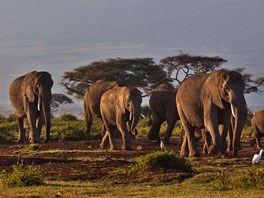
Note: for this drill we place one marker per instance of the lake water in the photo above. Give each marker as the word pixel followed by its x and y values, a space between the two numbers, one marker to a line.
pixel 59 35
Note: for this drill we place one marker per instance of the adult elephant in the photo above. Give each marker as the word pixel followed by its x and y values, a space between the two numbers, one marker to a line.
pixel 92 99
pixel 120 110
pixel 30 96
pixel 205 101
pixel 257 123
pixel 162 104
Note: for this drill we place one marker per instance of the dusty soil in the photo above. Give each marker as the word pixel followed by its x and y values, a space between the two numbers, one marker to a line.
pixel 83 160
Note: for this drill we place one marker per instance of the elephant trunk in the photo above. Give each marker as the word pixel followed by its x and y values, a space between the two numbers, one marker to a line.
pixel 47 117
pixel 135 112
pixel 240 117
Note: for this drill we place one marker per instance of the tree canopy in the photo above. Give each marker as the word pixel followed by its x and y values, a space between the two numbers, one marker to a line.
pixel 185 65
pixel 142 73
pixel 59 99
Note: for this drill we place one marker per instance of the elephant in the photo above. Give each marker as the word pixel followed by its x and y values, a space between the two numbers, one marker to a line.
pixel 206 100
pixel 120 109
pixel 162 104
pixel 92 99
pixel 257 123
pixel 30 96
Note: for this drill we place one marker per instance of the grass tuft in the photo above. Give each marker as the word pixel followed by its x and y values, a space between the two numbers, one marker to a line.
pixel 252 178
pixel 161 162
pixel 23 175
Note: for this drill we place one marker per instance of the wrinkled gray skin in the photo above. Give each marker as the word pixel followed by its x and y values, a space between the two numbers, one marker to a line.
pixel 120 110
pixel 92 99
pixel 257 123
pixel 204 101
pixel 162 104
pixel 231 129
pixel 30 96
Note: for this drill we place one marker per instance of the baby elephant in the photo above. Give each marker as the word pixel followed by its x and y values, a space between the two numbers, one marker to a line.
pixel 257 128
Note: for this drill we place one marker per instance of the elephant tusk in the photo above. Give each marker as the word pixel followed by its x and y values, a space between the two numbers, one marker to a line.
pixel 233 110
pixel 39 104
pixel 130 116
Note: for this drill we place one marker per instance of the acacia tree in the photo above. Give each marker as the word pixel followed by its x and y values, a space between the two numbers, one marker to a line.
pixel 185 65
pixel 59 99
pixel 142 73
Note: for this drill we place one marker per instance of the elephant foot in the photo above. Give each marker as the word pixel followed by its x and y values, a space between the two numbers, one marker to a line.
pixel 213 150
pixel 166 142
pixel 252 142
pixel 128 148
pixel 34 141
pixel 21 140
pixel 46 140
pixel 183 154
pixel 194 154
pixel 205 151
pixel 259 147
pixel 102 146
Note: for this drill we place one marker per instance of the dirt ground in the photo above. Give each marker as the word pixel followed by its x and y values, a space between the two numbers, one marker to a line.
pixel 83 160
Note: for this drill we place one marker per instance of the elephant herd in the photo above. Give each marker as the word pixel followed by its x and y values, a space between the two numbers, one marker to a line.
pixel 212 103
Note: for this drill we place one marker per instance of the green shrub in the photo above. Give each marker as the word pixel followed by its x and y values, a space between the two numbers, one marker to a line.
pixel 7 131
pixel 66 117
pixel 67 130
pixel 11 118
pixel 23 176
pixel 162 161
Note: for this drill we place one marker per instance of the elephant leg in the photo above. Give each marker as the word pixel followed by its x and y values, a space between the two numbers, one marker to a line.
pixel 126 137
pixel 105 141
pixel 214 149
pixel 109 135
pixel 39 123
pixel 230 139
pixel 184 148
pixel 258 136
pixel 223 129
pixel 33 136
pixel 88 129
pixel 189 139
pixel 252 142
pixel 171 124
pixel 21 130
pixel 207 138
pixel 154 130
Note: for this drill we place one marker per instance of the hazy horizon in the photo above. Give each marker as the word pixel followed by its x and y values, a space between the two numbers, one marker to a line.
pixel 60 35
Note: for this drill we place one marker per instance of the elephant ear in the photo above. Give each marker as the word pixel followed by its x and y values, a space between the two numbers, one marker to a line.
pixel 214 86
pixel 28 86
pixel 123 99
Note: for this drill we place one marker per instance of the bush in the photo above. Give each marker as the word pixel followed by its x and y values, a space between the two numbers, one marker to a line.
pixel 66 117
pixel 74 130
pixel 162 161
pixel 23 176
pixel 7 131
pixel 11 118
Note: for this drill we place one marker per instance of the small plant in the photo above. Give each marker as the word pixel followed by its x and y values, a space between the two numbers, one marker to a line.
pixel 31 147
pixel 23 175
pixel 162 161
